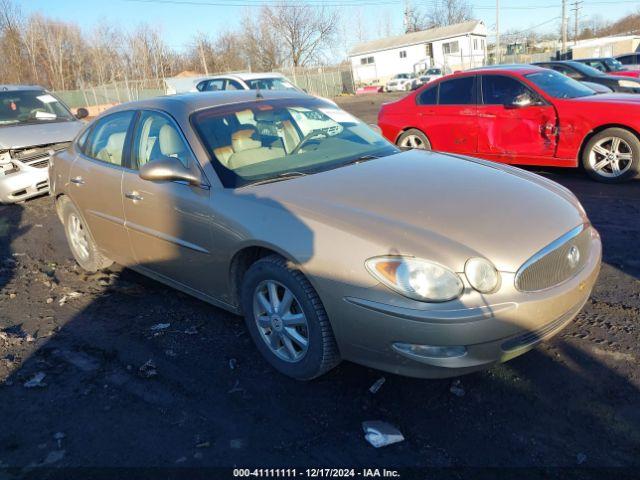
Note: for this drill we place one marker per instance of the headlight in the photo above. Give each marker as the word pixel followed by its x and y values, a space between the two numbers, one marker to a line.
pixel 628 84
pixel 416 278
pixel 482 275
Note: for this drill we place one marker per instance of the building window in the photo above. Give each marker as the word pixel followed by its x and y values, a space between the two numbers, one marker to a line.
pixel 475 44
pixel 366 60
pixel 482 43
pixel 403 54
pixel 427 49
pixel 450 47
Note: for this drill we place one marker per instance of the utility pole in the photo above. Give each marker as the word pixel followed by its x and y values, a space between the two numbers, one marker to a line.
pixel 564 26
pixel 576 9
pixel 498 31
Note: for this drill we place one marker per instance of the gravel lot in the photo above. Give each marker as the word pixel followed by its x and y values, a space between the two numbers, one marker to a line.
pixel 206 398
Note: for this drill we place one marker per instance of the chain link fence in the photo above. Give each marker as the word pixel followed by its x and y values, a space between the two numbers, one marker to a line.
pixel 321 81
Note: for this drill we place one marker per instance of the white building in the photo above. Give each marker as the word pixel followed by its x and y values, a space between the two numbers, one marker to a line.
pixel 457 47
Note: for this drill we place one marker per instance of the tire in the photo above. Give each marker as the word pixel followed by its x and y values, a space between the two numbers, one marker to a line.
pixel 270 337
pixel 84 249
pixel 413 139
pixel 612 156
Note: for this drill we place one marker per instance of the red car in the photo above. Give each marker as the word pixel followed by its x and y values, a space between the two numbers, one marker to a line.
pixel 523 115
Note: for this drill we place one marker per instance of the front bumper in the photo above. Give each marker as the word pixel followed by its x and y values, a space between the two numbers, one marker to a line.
pixel 27 182
pixel 495 329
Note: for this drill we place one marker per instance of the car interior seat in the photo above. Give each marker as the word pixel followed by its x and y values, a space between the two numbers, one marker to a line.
pixel 248 148
pixel 112 151
pixel 171 145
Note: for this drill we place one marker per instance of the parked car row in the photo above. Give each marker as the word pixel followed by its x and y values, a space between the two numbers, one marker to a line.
pixel 242 198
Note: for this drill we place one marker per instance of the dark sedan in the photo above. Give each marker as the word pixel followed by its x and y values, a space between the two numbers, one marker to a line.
pixel 585 73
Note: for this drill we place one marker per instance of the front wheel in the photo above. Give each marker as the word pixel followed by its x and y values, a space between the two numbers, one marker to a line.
pixel 612 156
pixel 413 138
pixel 286 319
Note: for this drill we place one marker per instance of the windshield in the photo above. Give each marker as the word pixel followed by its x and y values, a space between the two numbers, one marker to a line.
pixel 434 71
pixel 270 140
pixel 587 70
pixel 272 83
pixel 31 106
pixel 614 65
pixel 558 85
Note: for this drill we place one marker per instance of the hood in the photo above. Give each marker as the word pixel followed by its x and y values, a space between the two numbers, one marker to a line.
pixel 621 98
pixel 442 207
pixel 34 134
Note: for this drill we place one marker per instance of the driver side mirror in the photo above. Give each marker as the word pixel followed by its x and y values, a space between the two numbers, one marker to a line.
pixel 523 100
pixel 169 169
pixel 82 113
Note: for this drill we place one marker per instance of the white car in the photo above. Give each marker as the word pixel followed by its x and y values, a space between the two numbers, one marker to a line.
pixel 431 75
pixel 402 82
pixel 245 81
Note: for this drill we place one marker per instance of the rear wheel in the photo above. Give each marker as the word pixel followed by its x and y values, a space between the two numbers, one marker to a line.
pixel 286 319
pixel 81 243
pixel 413 138
pixel 612 156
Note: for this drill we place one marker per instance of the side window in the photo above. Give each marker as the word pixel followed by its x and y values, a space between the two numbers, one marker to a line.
pixel 108 136
pixel 233 85
pixel 567 71
pixel 429 96
pixel 458 91
pixel 501 90
pixel 628 60
pixel 156 137
pixel 82 140
pixel 597 65
pixel 215 85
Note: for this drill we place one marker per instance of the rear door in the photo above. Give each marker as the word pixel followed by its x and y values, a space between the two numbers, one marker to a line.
pixel 96 181
pixel 450 123
pixel 509 134
pixel 168 222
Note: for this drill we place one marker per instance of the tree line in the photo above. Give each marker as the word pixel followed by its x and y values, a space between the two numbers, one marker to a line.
pixel 59 55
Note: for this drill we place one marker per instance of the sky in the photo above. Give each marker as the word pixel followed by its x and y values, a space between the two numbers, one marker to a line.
pixel 180 20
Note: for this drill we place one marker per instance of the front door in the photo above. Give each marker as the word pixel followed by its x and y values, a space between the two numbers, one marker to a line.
pixel 510 134
pixel 451 123
pixel 96 181
pixel 168 222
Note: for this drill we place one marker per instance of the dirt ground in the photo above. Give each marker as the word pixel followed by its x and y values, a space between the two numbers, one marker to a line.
pixel 88 377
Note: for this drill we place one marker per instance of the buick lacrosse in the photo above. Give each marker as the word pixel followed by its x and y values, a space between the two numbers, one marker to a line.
pixel 331 242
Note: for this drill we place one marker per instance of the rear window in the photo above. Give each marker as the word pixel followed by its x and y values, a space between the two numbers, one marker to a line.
pixel 429 96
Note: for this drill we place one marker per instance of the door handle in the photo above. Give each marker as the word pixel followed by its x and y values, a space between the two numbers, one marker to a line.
pixel 486 115
pixel 77 180
pixel 135 196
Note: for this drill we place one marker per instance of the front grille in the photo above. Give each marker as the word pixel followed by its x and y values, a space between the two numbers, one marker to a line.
pixel 557 262
pixel 31 154
pixel 43 163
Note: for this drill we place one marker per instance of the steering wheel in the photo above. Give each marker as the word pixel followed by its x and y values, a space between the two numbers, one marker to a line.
pixel 309 136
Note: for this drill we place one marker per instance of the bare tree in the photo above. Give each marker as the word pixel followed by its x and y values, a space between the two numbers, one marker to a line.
pixel 263 49
pixel 414 19
pixel 449 12
pixel 305 30
pixel 12 67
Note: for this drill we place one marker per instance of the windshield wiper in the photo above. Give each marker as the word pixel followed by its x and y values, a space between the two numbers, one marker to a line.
pixel 278 178
pixel 360 159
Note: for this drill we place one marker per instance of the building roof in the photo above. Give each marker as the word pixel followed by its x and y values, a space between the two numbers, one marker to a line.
pixel 414 38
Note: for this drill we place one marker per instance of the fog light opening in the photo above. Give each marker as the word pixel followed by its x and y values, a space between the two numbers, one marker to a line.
pixel 430 351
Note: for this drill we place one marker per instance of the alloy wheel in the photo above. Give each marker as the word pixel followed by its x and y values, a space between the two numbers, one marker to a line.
pixel 412 141
pixel 611 157
pixel 281 321
pixel 78 237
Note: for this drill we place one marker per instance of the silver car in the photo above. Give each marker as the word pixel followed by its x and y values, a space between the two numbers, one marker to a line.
pixel 33 122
